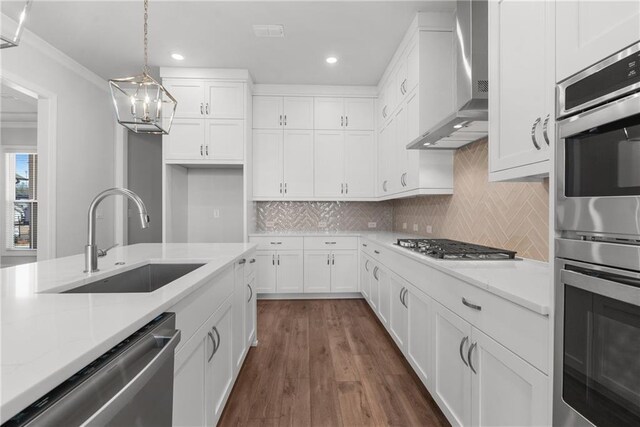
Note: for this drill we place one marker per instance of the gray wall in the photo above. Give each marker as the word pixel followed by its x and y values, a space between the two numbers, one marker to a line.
pixel 144 177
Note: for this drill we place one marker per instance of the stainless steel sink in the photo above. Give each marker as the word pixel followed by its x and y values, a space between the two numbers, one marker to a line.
pixel 147 278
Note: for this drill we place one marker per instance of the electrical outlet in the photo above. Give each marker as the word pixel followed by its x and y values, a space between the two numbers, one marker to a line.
pixel 372 225
pixel 415 227
pixel 404 225
pixel 429 229
pixel 322 224
pixel 216 213
pixel 269 224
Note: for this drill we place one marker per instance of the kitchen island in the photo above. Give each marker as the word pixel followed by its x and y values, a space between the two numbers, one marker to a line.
pixel 47 336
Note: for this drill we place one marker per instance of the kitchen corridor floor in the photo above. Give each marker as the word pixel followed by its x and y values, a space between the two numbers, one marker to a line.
pixel 326 363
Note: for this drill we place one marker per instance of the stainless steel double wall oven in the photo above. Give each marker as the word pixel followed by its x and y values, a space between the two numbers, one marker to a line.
pixel 597 266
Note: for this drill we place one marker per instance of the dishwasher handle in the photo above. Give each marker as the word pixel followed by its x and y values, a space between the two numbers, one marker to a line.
pixel 123 397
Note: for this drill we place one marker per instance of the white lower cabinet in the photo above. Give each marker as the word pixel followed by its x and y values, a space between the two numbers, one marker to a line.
pixel 419 345
pixel 219 368
pixel 250 312
pixel 451 382
pixel 384 296
pixel 239 308
pixel 477 381
pixel 279 271
pixel 365 276
pixel 331 271
pixel 399 314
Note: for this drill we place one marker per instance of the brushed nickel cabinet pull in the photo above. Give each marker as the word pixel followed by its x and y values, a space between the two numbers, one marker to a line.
pixel 469 354
pixel 464 340
pixel 470 305
pixel 533 134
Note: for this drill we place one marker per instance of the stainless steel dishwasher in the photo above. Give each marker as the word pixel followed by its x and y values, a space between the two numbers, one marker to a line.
pixel 129 385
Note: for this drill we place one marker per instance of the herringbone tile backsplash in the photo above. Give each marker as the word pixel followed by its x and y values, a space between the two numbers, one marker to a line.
pixel 505 215
pixel 510 215
pixel 338 216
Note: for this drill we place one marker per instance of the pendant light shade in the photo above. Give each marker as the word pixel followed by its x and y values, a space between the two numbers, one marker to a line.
pixel 12 31
pixel 142 104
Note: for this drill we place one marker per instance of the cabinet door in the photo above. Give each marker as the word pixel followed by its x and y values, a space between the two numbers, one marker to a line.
pixel 365 276
pixel 298 112
pixel 265 272
pixel 267 163
pixel 225 100
pixel 250 312
pixel 413 66
pixel 190 96
pixel 219 370
pixel 398 317
pixel 374 296
pixel 506 390
pixel 298 163
pixel 267 112
pixel 400 145
pixel 518 103
pixel 388 160
pixel 400 78
pixel 239 306
pixel 186 140
pixel 419 343
pixel 225 139
pixel 590 31
pixel 189 404
pixel 329 164
pixel 317 271
pixel 359 113
pixel 344 271
pixel 412 112
pixel 359 164
pixel 451 381
pixel 290 276
pixel 328 113
pixel 390 95
pixel 384 297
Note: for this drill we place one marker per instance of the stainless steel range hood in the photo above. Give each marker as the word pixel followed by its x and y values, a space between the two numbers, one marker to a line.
pixel 469 121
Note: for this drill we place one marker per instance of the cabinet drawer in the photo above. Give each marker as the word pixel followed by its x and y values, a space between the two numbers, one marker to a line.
pixel 521 330
pixel 196 308
pixel 270 243
pixel 373 250
pixel 330 243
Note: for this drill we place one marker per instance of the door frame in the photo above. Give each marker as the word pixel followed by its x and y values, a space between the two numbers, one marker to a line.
pixel 47 127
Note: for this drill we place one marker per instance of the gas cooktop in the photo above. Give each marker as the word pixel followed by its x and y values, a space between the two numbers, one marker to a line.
pixel 455 250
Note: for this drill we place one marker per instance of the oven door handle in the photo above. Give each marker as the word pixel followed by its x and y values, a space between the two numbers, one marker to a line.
pixel 608 288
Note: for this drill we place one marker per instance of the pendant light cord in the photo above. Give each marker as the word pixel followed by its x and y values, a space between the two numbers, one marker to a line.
pixel 146 54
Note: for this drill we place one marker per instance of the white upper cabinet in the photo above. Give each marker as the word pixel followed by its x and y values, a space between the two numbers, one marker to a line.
pixel 186 140
pixel 298 112
pixel 359 164
pixel 224 100
pixel 329 164
pixel 277 112
pixel 359 114
pixel 267 112
pixel 521 105
pixel 344 113
pixel 190 96
pixel 589 31
pixel 225 139
pixel 267 166
pixel 298 163
pixel 329 113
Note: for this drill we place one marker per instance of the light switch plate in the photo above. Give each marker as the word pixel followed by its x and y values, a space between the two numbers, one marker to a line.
pixel 429 229
pixel 415 227
pixel 372 225
pixel 216 213
pixel 404 225
pixel 269 224
pixel 322 224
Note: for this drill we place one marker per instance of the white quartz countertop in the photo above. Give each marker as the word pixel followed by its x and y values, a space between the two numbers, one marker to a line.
pixel 47 336
pixel 525 282
pixel 307 233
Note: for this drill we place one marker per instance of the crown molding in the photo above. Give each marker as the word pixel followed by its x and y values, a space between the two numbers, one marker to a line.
pixel 31 39
pixel 315 90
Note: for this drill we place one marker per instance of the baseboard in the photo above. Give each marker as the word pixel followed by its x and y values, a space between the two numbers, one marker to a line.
pixel 320 295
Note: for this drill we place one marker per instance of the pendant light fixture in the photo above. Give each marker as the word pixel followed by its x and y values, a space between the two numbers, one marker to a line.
pixel 142 104
pixel 12 31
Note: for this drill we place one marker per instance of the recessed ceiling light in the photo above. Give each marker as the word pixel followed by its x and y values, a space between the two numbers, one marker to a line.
pixel 332 60
pixel 177 56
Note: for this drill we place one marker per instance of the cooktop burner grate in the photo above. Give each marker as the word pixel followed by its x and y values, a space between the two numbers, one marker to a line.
pixel 453 249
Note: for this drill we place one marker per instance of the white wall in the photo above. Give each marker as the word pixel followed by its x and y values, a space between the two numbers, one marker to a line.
pixel 85 137
pixel 144 177
pixel 10 136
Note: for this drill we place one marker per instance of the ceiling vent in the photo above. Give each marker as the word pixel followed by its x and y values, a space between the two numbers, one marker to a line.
pixel 268 30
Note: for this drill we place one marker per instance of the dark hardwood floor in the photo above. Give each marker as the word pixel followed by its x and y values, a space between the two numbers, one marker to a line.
pixel 326 363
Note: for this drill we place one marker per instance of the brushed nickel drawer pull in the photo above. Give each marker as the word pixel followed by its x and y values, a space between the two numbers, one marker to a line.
pixel 470 305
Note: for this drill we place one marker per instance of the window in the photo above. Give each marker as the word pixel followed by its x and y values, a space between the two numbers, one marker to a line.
pixel 22 201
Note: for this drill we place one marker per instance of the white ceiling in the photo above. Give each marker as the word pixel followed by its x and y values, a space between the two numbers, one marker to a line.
pixel 106 37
